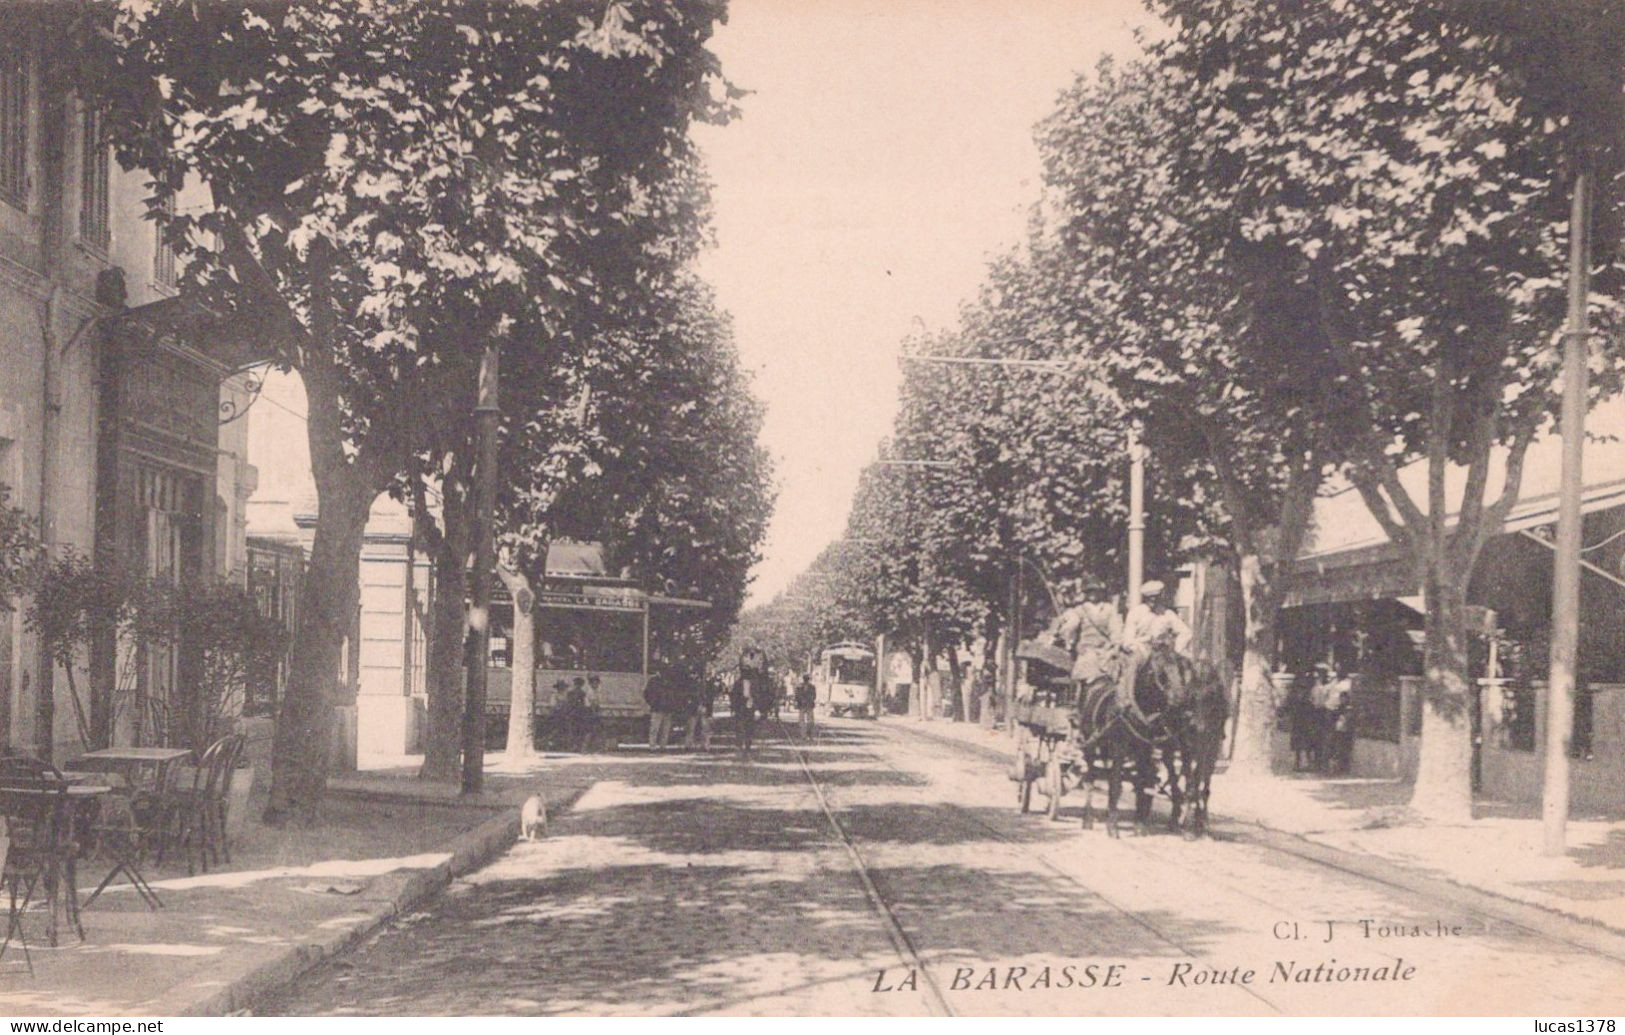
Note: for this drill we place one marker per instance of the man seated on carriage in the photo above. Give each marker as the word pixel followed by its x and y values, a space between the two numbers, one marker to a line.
pixel 1090 632
pixel 1150 634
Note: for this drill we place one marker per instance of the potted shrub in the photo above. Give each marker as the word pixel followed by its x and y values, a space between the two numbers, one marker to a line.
pixel 73 600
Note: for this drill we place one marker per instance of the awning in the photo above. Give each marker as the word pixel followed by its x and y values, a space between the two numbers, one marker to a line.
pixel 1370 572
pixel 703 605
pixel 1542 510
pixel 607 598
pixel 624 601
pixel 230 343
pixel 1386 579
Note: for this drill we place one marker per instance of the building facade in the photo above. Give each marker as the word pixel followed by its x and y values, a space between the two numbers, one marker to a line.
pixel 113 429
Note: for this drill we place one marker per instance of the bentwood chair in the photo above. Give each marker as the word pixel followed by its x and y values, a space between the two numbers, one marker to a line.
pixel 41 847
pixel 196 815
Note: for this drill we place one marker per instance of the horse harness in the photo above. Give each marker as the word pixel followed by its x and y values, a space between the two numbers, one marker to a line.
pixel 1150 730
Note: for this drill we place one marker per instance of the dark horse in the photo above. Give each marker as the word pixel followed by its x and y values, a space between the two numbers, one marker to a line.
pixel 1200 721
pixel 1178 712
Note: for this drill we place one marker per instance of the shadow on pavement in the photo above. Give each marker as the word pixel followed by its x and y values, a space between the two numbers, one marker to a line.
pixel 697 903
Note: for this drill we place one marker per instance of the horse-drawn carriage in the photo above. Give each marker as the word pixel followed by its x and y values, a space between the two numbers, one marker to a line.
pixel 1070 733
pixel 1044 713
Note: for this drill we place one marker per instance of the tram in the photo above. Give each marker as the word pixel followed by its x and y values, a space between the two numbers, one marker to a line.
pixel 846 680
pixel 589 624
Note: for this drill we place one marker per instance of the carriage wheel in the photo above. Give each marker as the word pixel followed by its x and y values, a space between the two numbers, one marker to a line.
pixel 1018 761
pixel 1024 774
pixel 1057 786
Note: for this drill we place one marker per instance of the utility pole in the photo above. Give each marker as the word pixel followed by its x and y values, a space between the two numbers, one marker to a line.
pixel 1012 642
pixel 1136 505
pixel 880 675
pixel 1554 802
pixel 487 413
pixel 1136 517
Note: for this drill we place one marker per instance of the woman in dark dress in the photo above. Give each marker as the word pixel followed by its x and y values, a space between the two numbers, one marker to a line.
pixel 1301 716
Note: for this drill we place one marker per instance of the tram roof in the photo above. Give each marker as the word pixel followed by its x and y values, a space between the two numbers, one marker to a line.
pixel 847 646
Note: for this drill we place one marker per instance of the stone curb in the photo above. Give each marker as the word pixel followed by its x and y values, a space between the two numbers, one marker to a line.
pixel 1548 921
pixel 470 851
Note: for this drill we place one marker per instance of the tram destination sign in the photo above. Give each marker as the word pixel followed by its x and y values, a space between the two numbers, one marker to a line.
pixel 594 602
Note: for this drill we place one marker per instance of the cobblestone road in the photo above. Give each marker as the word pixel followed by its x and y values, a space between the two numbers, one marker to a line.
pixel 688 885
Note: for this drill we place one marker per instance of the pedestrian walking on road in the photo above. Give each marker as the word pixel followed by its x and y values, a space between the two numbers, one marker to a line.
pixel 1300 721
pixel 744 700
pixel 806 700
pixel 658 694
pixel 704 696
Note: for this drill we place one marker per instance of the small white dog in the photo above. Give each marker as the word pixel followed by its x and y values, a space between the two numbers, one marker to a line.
pixel 533 818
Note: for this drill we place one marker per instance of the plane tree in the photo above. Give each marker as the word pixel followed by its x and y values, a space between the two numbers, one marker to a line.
pixel 1230 389
pixel 370 168
pixel 1397 179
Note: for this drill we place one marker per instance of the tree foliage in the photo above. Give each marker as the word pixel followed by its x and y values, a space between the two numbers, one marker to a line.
pixel 20 550
pixel 393 186
pixel 1397 179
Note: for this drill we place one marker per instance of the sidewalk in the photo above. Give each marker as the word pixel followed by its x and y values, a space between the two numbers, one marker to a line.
pixel 383 845
pixel 1499 853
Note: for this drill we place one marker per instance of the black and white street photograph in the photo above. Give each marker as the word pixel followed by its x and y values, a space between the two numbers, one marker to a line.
pixel 812 508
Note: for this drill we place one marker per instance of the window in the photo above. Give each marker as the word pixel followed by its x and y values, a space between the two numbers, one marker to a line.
pixel 161 497
pixel 14 131
pixel 93 180
pixel 163 257
pixel 852 670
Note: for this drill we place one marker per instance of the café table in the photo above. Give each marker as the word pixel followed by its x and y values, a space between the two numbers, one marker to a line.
pixel 148 773
pixel 83 798
pixel 59 865
pixel 133 763
pixel 122 842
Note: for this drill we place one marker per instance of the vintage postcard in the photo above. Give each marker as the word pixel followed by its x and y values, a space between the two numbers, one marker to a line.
pixel 872 508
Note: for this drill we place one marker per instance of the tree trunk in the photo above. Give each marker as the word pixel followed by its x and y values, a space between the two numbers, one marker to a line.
pixel 521 703
pixel 327 603
pixel 917 656
pixel 45 709
pixel 992 665
pixel 956 681
pixel 1255 705
pixel 443 662
pixel 1443 789
pixel 1004 697
pixel 929 677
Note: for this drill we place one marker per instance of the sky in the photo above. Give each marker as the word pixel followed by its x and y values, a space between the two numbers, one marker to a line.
pixel 884 155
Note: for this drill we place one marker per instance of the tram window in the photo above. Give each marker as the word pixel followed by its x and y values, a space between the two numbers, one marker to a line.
pixel 852 670
pixel 594 640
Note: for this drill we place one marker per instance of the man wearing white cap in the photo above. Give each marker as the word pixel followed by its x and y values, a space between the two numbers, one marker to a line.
pixel 1152 622
pixel 1150 625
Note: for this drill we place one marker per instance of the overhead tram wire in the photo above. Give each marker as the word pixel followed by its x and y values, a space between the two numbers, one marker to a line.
pixel 1136 452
